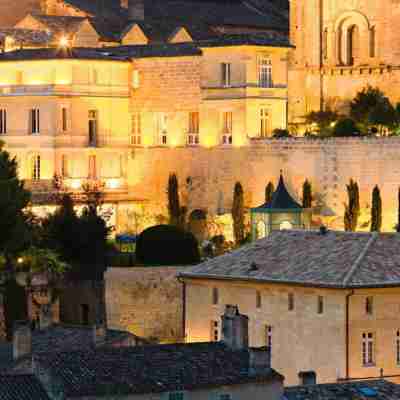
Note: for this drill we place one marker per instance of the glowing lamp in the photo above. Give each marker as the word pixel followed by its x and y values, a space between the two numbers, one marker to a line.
pixel 64 42
pixel 75 184
pixel 20 260
pixel 113 183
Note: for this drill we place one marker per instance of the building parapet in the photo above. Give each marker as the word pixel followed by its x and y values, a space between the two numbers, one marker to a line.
pixel 65 90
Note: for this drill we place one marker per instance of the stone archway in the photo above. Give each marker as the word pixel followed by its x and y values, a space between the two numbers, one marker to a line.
pixel 352 39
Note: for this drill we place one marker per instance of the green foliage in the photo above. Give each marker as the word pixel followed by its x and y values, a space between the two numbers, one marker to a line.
pixel 167 245
pixel 42 261
pixel 238 213
pixel 376 210
pixel 81 241
pixel 177 214
pixel 346 127
pixel 324 120
pixel 15 305
pixel 269 192
pixel 352 208
pixel 372 108
pixel 281 133
pixel 13 200
pixel 307 194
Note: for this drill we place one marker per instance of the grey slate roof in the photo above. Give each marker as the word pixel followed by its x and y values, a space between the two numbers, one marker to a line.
pixel 281 200
pixel 151 369
pixel 21 387
pixel 310 258
pixel 27 36
pixel 383 390
pixel 57 338
pixel 198 17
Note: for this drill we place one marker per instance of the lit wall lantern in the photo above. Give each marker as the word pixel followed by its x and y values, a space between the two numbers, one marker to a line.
pixel 281 213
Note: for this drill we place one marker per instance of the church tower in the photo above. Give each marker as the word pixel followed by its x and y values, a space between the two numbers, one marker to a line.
pixel 341 47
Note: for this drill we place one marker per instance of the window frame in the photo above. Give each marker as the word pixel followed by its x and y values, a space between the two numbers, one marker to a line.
pixel 227 127
pixel 34 121
pixel 320 305
pixel 215 296
pixel 368 349
pixel 64 119
pixel 136 129
pixel 265 70
pixel 291 304
pixel 93 127
pixel 369 305
pixel 265 122
pixel 35 173
pixel 162 128
pixel 214 331
pixel 226 74
pixel 193 137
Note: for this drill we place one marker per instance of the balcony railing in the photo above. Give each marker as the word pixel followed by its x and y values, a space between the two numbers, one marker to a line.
pixel 64 90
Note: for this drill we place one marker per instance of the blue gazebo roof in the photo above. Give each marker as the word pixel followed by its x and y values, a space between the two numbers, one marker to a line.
pixel 281 201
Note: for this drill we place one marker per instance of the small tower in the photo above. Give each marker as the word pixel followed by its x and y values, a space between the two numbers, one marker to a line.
pixel 282 212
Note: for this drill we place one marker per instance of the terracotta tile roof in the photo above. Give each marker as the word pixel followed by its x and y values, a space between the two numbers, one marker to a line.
pixel 149 369
pixel 21 387
pixel 361 390
pixel 310 258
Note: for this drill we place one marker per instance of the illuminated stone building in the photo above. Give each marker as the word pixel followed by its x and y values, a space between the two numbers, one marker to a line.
pixel 82 94
pixel 326 303
pixel 341 46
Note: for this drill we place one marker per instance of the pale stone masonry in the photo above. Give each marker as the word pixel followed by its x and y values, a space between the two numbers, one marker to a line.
pixel 325 303
pixel 146 301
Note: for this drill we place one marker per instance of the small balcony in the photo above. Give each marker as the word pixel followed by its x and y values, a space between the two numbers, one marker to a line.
pixel 244 91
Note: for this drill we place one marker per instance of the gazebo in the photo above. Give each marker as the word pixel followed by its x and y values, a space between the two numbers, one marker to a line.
pixel 282 212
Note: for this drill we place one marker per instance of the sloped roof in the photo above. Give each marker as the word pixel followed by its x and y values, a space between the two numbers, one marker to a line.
pixel 57 338
pixel 21 387
pixel 361 390
pixel 310 258
pixel 281 200
pixel 152 369
pixel 60 24
pixel 27 36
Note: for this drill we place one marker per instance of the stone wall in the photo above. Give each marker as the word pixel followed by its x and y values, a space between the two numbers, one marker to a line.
pixel 146 301
pixel 329 164
pixel 82 303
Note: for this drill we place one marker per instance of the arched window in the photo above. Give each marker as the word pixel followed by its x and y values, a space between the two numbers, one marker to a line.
pixel 353 47
pixel 35 167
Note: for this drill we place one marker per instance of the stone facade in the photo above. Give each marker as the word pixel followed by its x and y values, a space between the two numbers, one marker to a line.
pixel 328 164
pixel 341 46
pixel 146 301
pixel 295 335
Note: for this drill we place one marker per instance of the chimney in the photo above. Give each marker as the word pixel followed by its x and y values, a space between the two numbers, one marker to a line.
pixel 136 10
pixel 99 334
pixel 259 359
pixel 235 328
pixel 45 316
pixel 22 339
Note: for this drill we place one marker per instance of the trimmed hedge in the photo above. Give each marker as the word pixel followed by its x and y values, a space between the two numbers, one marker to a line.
pixel 167 245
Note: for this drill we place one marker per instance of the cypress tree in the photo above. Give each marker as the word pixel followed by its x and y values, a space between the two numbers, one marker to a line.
pixel 352 209
pixel 376 210
pixel 174 208
pixel 307 194
pixel 269 191
pixel 238 213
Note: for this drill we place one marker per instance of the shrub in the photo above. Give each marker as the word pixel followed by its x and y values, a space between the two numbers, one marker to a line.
pixel 281 133
pixel 167 245
pixel 346 128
